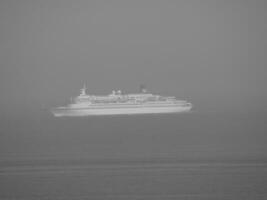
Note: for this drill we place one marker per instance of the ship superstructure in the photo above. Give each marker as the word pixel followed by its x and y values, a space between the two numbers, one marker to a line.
pixel 119 103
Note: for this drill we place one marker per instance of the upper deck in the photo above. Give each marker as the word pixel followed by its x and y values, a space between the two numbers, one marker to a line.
pixel 117 97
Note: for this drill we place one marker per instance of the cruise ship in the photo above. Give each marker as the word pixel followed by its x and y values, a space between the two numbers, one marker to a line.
pixel 118 103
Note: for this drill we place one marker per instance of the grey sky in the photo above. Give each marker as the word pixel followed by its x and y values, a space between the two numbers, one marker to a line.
pixel 211 52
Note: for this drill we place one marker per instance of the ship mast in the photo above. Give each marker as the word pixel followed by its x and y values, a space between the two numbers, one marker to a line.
pixel 83 90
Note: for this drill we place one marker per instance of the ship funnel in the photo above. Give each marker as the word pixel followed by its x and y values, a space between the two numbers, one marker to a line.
pixel 143 88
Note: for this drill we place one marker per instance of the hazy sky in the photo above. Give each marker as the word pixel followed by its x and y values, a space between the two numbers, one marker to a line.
pixel 211 52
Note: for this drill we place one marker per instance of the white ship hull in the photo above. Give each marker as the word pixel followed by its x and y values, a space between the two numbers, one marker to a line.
pixel 66 111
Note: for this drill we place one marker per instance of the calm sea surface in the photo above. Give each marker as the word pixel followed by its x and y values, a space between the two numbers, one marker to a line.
pixel 177 156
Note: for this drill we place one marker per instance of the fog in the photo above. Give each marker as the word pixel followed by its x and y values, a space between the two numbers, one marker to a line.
pixel 209 52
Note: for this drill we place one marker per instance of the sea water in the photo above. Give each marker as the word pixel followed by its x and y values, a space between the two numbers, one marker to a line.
pixel 173 156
